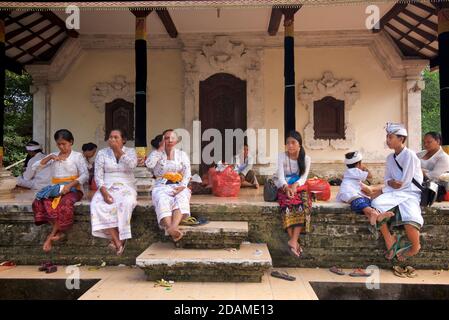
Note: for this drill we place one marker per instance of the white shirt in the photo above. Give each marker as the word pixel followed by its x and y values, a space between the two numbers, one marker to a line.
pixel 411 166
pixel 436 165
pixel 286 166
pixel 158 162
pixel 109 171
pixel 74 165
pixel 244 165
pixel 38 179
pixel 350 186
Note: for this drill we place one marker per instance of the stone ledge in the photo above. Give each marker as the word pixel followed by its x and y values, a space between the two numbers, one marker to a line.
pixel 339 237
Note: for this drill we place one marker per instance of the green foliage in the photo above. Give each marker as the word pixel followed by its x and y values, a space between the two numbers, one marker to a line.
pixel 18 118
pixel 430 110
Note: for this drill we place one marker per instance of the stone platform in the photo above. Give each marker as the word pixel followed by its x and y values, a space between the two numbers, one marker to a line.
pixel 339 236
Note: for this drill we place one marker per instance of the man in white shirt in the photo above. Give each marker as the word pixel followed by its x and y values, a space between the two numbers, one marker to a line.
pixel 30 179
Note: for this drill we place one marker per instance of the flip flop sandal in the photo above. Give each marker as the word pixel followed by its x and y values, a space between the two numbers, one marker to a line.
pixel 336 270
pixel 51 269
pixel 411 272
pixel 402 250
pixel 190 221
pixel 399 272
pixel 394 248
pixel 162 283
pixel 282 275
pixel 7 264
pixel 44 266
pixel 359 273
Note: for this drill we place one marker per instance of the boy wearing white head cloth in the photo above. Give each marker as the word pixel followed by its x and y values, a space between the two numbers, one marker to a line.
pixel 351 191
pixel 400 195
pixel 31 179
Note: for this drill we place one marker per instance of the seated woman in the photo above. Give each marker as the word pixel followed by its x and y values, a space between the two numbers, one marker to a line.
pixel 55 204
pixel 113 203
pixel 89 149
pixel 400 195
pixel 244 164
pixel 292 170
pixel 434 161
pixel 31 179
pixel 170 195
pixel 158 147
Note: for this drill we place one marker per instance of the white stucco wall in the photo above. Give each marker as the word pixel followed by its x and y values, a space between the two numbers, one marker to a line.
pixel 380 100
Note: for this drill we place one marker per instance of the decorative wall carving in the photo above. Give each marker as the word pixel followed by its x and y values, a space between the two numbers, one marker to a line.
pixel 105 92
pixel 313 90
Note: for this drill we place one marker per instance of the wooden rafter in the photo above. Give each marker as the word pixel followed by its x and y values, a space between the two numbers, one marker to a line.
pixel 30 37
pixel 36 47
pixel 421 20
pixel 430 10
pixel 392 13
pixel 18 31
pixel 167 21
pixel 60 23
pixel 275 21
pixel 428 36
pixel 16 19
pixel 416 42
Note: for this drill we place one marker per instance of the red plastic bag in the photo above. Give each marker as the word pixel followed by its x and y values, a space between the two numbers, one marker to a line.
pixel 446 196
pixel 226 183
pixel 320 187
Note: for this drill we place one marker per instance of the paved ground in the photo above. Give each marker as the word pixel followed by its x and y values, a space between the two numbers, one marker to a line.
pixel 129 283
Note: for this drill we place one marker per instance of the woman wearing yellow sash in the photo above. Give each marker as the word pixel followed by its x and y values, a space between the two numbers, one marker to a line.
pixel 55 204
pixel 170 195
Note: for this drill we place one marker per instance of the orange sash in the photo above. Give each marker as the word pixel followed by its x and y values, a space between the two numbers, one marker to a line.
pixel 55 202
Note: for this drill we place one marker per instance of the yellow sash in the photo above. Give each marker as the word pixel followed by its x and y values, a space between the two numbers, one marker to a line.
pixel 55 202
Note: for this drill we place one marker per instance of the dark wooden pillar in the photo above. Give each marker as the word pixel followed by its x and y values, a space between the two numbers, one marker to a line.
pixel 443 48
pixel 289 71
pixel 141 82
pixel 3 15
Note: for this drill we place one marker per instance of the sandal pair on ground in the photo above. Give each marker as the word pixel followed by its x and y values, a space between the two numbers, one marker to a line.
pixel 48 267
pixel 359 272
pixel 407 272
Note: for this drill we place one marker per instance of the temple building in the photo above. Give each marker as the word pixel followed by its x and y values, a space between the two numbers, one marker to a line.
pixel 323 70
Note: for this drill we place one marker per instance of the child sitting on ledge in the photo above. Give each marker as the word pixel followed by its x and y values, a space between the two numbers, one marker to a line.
pixel 350 189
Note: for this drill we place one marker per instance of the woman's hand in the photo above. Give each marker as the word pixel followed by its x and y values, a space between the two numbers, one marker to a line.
pixel 177 190
pixel 106 196
pixel 65 189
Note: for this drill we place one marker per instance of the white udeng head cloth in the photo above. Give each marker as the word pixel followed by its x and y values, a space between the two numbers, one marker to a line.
pixel 396 128
pixel 33 147
pixel 356 158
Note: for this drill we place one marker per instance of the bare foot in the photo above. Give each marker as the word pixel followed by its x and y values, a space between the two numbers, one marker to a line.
pixel 295 247
pixel 175 234
pixel 373 218
pixel 47 245
pixel 390 252
pixel 256 186
pixel 58 236
pixel 384 215
pixel 407 253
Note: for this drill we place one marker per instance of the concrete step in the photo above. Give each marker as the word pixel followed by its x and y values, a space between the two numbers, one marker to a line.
pixel 214 235
pixel 165 261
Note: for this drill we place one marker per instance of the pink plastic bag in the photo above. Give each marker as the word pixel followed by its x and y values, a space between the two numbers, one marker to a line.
pixel 226 183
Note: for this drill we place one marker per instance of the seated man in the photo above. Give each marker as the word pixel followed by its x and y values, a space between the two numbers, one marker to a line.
pixel 30 179
pixel 244 164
